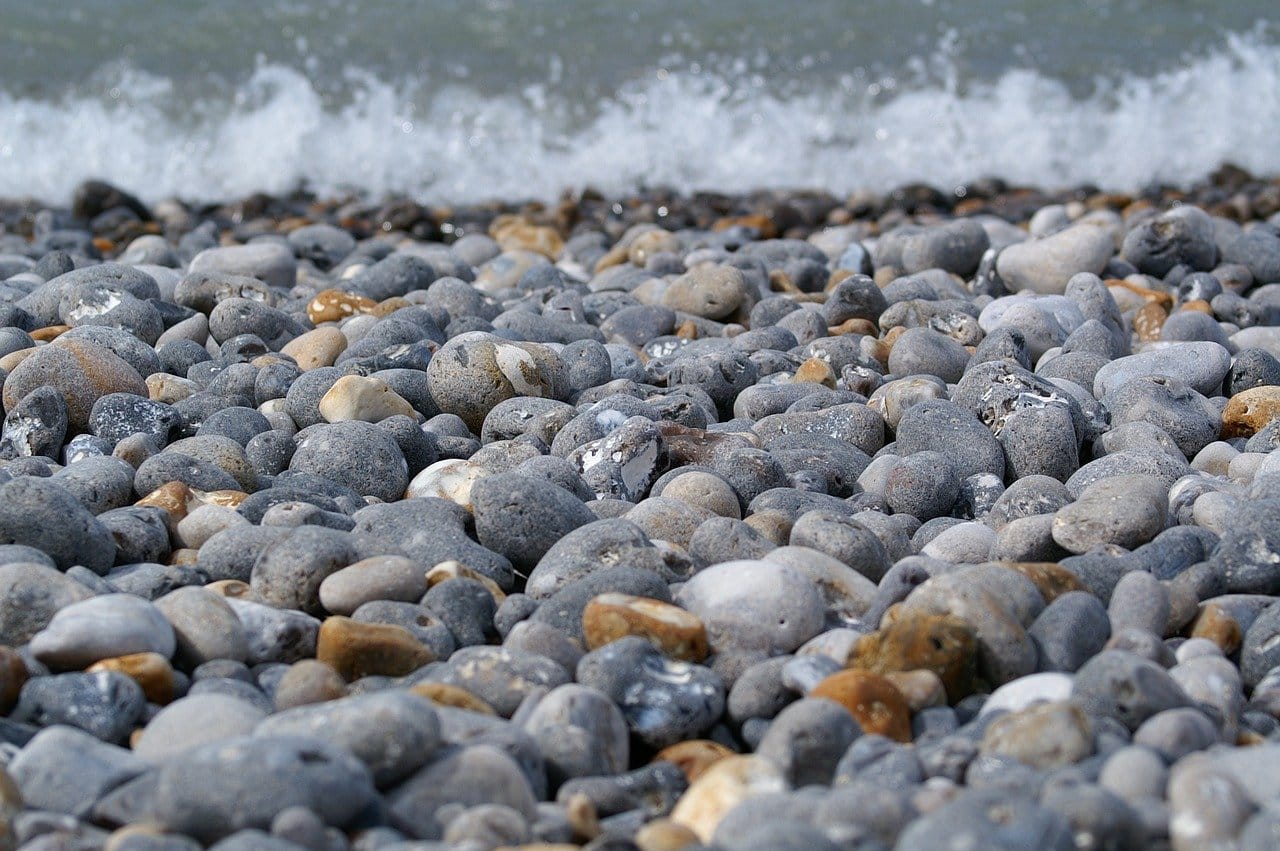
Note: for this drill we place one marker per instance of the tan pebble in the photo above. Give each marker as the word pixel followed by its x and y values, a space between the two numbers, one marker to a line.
pixel 149 670
pixel 231 588
pixel 815 371
pixel 451 569
pixel 388 306
pixel 687 330
pixel 449 479
pixel 1199 305
pixel 336 305
pixel 774 525
pixel 704 490
pixel 10 361
pixel 13 675
pixel 1148 321
pixel 317 348
pixel 457 697
pixel 722 787
pixel 1147 294
pixel 615 256
pixel 922 689
pixel 1249 411
pixel 665 835
pixel 652 242
pixel 872 700
pixel 856 325
pixel 174 498
pixel 582 817
pixel 1046 735
pixel 370 400
pixel 513 233
pixel 49 332
pixel 306 682
pixel 693 756
pixel 163 387
pixel 913 641
pixel 224 498
pixel 679 634
pixel 356 650
pixel 1215 624
pixel 184 556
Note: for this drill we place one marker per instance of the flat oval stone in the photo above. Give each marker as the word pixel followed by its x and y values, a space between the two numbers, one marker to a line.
pixel 1047 735
pixel 204 626
pixel 100 628
pixel 1201 365
pixel 202 794
pixel 193 721
pixel 580 732
pixel 376 578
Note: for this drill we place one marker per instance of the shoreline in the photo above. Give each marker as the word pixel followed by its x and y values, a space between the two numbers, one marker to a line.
pixel 1229 191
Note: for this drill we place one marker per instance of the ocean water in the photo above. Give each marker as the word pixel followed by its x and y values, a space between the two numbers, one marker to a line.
pixel 468 100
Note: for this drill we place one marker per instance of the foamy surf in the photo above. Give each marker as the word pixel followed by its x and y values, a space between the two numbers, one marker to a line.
pixel 680 129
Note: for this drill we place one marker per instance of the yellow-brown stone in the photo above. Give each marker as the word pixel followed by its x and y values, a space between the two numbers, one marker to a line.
pixel 1214 623
pixel 1250 410
pixel 1052 580
pixel 722 787
pixel 911 641
pixel 149 670
pixel 13 675
pixel 679 634
pixel 1199 305
pixel 665 835
pixel 815 371
pixel 759 222
pixel 652 242
pixel 162 387
pixel 174 498
pixel 452 569
pixel 10 361
pixel 856 325
pixel 49 332
pixel 317 348
pixel 693 756
pixel 444 694
pixel 336 305
pixel 1149 320
pixel 356 650
pixel 873 701
pixel 513 233
pixel 184 556
pixel 388 306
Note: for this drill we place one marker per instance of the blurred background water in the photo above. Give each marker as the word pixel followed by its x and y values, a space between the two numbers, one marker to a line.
pixel 455 101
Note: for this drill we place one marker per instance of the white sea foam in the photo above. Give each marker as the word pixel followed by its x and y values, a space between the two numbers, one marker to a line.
pixel 687 131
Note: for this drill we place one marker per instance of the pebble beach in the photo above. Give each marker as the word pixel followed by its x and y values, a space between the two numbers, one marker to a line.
pixel 785 521
pixel 481 426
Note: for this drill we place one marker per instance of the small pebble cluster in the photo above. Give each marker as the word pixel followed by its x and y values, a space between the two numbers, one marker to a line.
pixel 778 522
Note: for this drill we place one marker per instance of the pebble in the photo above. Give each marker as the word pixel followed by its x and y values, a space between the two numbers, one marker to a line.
pixel 722 497
pixel 102 628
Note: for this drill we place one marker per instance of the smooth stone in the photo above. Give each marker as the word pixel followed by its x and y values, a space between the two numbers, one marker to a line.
pixel 580 732
pixel 466 776
pixel 676 632
pixel 101 628
pixel 65 770
pixel 1124 686
pixel 1122 510
pixel 754 604
pixel 193 721
pixel 106 704
pixel 355 649
pixel 377 578
pixel 393 733
pixel 355 397
pixel 723 786
pixel 1047 735
pixel 270 262
pixel 202 795
pixel 1045 265
pixel 40 513
pixel 275 635
pixel 1201 365
pixel 30 595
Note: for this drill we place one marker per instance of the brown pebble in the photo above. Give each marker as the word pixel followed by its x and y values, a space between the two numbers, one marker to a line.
pixel 1199 305
pixel 336 305
pixel 757 221
pixel 665 835
pixel 722 787
pixel 1249 411
pixel 1148 320
pixel 10 361
pixel 49 332
pixel 514 233
pixel 306 682
pixel 13 675
pixel 693 756
pixel 856 325
pixel 444 694
pixel 872 700
pixel 911 641
pixel 1215 624
pixel 173 498
pixel 317 348
pixel 149 670
pixel 388 306
pixel 679 634
pixel 356 650
pixel 815 371
pixel 184 556
pixel 1052 580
